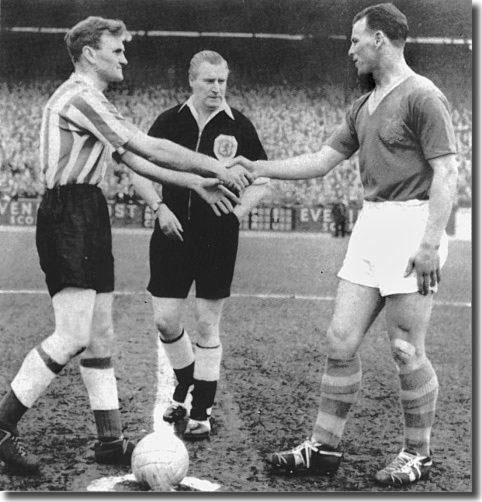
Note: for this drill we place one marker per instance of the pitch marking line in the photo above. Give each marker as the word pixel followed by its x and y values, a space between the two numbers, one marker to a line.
pixel 265 296
pixel 264 234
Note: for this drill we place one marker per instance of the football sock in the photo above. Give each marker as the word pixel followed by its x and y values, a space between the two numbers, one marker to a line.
pixel 206 375
pixel 418 394
pixel 35 375
pixel 11 411
pixel 99 380
pixel 340 384
pixel 181 357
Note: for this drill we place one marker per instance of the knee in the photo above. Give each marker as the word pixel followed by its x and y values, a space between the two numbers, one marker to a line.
pixel 74 326
pixel 341 342
pixel 208 331
pixel 168 325
pixel 404 353
pixel 62 347
pixel 101 342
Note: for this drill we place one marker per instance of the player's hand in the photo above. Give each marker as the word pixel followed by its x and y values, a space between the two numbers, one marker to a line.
pixel 169 224
pixel 241 174
pixel 251 166
pixel 236 177
pixel 218 196
pixel 426 264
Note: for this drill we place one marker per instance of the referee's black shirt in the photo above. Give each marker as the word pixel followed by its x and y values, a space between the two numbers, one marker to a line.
pixel 178 125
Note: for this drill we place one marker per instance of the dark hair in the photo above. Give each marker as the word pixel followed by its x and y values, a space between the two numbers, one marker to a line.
pixel 387 18
pixel 89 31
pixel 210 57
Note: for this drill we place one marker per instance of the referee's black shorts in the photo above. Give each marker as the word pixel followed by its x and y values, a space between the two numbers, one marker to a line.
pixel 74 239
pixel 206 256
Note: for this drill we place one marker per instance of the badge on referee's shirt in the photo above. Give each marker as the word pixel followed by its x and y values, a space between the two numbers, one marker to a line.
pixel 225 147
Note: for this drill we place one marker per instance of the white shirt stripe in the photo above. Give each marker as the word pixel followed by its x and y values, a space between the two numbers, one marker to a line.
pixel 76 113
pixel 93 156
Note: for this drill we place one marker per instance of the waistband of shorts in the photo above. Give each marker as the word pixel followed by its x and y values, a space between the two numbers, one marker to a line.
pixel 73 187
pixel 386 204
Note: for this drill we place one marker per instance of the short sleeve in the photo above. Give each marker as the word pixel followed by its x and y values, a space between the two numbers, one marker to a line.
pixel 433 125
pixel 255 150
pixel 159 127
pixel 345 138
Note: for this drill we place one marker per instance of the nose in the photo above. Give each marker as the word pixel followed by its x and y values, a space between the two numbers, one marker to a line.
pixel 350 50
pixel 216 87
pixel 123 59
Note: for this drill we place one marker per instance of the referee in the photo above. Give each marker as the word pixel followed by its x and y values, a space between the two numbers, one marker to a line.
pixel 191 244
pixel 80 128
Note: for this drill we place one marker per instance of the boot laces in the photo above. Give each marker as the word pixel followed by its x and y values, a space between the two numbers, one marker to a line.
pixel 302 453
pixel 403 463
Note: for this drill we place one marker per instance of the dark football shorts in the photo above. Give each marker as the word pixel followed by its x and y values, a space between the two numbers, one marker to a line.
pixel 74 240
pixel 206 256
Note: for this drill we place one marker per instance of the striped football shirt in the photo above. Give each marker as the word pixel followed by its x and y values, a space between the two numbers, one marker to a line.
pixel 80 128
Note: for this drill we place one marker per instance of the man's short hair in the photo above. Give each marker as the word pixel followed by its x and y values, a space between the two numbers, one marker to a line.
pixel 387 18
pixel 210 57
pixel 89 31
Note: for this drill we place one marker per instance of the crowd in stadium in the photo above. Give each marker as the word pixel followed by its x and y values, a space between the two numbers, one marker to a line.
pixel 290 118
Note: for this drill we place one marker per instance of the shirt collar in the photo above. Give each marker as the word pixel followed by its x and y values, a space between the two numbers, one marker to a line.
pixel 223 108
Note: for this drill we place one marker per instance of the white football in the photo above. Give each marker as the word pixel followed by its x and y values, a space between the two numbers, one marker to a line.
pixel 161 460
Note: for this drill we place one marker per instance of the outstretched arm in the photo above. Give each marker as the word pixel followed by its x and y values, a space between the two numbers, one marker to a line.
pixel 425 261
pixel 209 189
pixel 173 156
pixel 308 165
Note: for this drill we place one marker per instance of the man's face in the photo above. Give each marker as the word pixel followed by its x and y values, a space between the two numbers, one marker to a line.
pixel 109 58
pixel 363 48
pixel 209 86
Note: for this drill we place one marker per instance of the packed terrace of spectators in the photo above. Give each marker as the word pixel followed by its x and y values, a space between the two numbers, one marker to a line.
pixel 294 113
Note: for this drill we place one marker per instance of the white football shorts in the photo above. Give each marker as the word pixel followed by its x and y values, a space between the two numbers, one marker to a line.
pixel 385 235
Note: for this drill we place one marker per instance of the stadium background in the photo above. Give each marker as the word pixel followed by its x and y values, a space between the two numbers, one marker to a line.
pixel 292 77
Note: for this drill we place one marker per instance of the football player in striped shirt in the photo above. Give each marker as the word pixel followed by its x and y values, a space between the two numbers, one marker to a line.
pixel 80 130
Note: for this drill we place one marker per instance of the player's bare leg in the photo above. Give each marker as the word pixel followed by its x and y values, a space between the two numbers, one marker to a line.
pixel 73 309
pixel 178 349
pixel 356 307
pixel 97 371
pixel 206 367
pixel 408 317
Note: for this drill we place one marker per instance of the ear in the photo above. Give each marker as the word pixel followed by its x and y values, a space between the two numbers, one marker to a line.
pixel 379 38
pixel 88 53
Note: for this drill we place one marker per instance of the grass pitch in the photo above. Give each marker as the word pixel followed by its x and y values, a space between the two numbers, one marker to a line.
pixel 273 353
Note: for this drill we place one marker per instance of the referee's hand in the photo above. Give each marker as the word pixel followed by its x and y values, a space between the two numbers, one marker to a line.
pixel 216 195
pixel 169 224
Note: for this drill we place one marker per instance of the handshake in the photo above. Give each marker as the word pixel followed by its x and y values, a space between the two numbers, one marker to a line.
pixel 221 192
pixel 231 178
